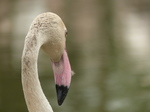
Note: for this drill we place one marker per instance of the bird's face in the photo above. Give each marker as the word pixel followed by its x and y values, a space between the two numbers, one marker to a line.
pixel 54 37
pixel 55 46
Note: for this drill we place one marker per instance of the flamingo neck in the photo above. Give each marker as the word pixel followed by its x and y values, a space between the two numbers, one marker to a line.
pixel 35 99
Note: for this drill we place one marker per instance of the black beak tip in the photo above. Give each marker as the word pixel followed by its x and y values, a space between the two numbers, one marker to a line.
pixel 61 93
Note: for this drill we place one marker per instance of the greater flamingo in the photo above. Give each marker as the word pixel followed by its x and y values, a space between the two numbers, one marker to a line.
pixel 48 32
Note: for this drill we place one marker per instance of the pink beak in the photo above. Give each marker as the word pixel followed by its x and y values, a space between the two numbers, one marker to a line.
pixel 62 75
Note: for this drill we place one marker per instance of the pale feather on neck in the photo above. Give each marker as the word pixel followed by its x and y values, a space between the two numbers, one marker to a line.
pixel 35 98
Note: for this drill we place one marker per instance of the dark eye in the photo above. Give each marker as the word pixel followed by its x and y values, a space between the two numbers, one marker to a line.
pixel 66 33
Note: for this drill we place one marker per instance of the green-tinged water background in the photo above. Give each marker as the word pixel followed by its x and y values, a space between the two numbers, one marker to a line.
pixel 108 46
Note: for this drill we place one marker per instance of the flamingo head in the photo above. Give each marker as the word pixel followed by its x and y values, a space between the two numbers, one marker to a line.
pixel 54 44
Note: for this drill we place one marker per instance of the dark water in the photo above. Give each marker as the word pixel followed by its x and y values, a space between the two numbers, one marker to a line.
pixel 94 87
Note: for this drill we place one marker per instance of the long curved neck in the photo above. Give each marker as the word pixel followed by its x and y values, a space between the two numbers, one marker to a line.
pixel 34 96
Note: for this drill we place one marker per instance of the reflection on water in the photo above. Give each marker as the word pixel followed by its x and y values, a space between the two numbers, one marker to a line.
pixel 110 75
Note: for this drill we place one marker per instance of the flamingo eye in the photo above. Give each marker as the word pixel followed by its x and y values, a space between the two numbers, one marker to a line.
pixel 66 33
